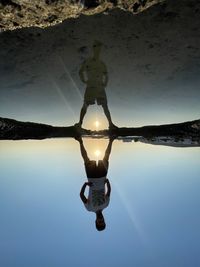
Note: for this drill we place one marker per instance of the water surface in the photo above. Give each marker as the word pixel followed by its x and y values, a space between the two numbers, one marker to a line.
pixel 152 219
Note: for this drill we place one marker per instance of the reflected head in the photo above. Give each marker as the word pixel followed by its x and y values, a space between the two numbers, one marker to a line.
pixel 100 223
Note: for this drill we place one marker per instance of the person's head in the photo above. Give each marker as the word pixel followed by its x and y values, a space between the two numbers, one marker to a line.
pixel 97 47
pixel 100 223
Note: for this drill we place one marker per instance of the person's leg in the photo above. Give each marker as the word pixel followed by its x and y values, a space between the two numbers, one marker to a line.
pixel 83 151
pixel 108 150
pixel 108 116
pixel 82 113
pixel 107 113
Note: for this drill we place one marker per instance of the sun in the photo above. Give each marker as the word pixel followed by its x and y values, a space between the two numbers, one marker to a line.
pixel 97 153
pixel 97 123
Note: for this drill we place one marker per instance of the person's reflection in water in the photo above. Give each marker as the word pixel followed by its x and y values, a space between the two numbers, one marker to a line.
pixel 93 73
pixel 98 197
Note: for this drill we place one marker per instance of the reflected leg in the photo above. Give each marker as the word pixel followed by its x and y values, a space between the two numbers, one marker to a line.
pixel 108 150
pixel 83 151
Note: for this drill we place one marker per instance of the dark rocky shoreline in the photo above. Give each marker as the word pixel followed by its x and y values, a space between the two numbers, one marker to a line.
pixel 17 130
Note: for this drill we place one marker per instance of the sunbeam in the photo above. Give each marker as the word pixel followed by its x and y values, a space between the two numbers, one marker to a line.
pixel 62 96
pixel 73 82
pixel 129 210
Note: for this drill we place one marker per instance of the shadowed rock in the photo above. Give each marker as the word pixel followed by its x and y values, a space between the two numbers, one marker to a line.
pixel 15 130
pixel 43 13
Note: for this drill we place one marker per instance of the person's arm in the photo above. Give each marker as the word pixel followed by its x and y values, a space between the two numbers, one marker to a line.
pixel 82 195
pixel 81 72
pixel 105 75
pixel 108 188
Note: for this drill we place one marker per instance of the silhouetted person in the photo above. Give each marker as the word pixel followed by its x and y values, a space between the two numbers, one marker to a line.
pixel 93 73
pixel 98 197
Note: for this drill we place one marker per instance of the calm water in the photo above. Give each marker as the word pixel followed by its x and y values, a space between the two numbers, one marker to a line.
pixel 152 220
pixel 153 216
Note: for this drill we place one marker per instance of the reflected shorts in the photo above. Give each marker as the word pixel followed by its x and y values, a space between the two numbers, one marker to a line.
pixel 96 171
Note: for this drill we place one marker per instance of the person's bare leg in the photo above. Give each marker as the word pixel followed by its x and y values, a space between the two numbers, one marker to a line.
pixel 108 149
pixel 82 114
pixel 83 151
pixel 108 116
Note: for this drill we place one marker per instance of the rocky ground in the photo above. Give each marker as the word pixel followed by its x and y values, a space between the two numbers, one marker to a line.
pixel 43 13
pixel 152 60
pixel 16 130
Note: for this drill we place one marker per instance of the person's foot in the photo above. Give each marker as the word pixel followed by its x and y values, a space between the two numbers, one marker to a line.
pixel 113 127
pixel 112 137
pixel 78 138
pixel 77 125
pixel 78 131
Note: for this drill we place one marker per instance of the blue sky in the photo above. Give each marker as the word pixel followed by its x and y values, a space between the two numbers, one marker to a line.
pixel 152 219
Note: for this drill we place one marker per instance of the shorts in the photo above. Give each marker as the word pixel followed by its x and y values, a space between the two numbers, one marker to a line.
pixel 93 94
pixel 96 171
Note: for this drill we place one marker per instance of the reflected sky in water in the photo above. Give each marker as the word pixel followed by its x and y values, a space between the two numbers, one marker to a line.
pixel 152 219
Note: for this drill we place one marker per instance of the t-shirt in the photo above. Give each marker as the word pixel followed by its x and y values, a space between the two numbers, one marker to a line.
pixel 97 200
pixel 96 70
